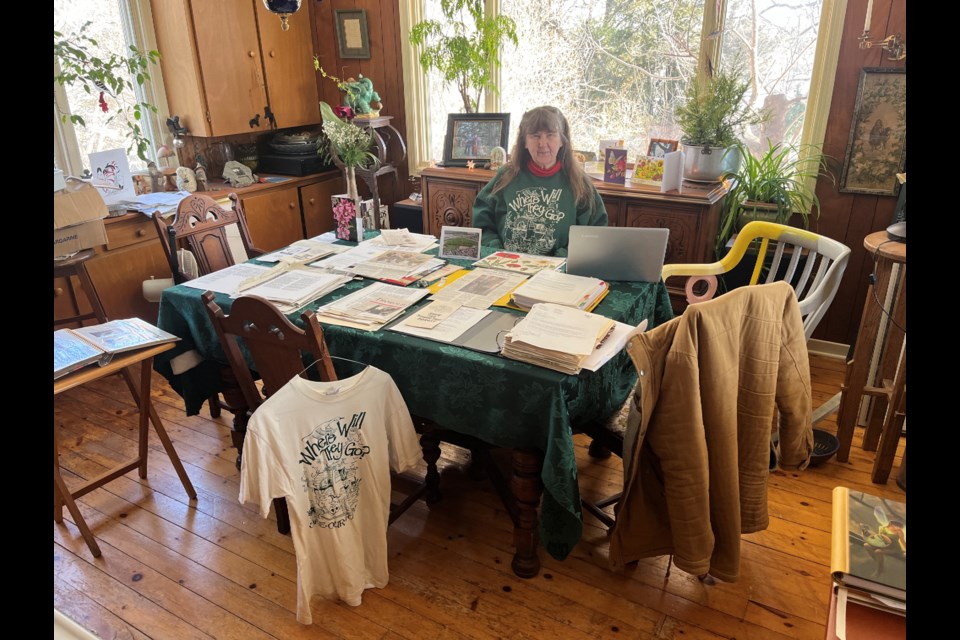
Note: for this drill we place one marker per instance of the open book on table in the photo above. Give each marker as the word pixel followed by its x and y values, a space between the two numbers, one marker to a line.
pixel 76 348
pixel 869 544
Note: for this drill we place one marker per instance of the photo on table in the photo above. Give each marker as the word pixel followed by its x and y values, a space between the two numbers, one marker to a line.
pixel 462 243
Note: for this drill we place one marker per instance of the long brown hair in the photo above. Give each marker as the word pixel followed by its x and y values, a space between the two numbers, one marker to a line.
pixel 548 119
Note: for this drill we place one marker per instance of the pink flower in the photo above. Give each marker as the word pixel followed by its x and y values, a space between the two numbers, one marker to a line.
pixel 343 111
pixel 103 103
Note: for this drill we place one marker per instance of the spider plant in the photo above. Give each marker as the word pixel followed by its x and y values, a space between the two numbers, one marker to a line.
pixel 772 185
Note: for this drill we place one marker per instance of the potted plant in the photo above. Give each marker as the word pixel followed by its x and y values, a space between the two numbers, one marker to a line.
pixel 464 50
pixel 772 186
pixel 711 119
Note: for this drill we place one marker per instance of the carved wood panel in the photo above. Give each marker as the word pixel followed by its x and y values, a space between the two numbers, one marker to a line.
pixel 683 224
pixel 450 204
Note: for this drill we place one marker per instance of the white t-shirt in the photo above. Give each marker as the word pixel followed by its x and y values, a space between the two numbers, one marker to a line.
pixel 328 448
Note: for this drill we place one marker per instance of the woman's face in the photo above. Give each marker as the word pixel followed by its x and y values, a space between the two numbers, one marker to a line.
pixel 544 147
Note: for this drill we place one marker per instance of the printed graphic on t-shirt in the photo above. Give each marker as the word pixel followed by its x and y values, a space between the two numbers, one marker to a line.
pixel 330 456
pixel 533 218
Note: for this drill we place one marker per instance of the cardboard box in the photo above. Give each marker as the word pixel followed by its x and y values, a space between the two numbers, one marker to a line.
pixel 76 204
pixel 71 239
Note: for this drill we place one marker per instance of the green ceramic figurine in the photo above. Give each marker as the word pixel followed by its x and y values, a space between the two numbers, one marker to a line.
pixel 361 97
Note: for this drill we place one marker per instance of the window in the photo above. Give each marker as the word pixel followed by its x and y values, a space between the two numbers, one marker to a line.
pixel 115 24
pixel 617 68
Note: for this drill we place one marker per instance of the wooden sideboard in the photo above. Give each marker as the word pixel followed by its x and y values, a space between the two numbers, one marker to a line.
pixel 277 214
pixel 692 213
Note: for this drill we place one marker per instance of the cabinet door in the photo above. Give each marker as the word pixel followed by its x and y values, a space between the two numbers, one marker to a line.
pixel 230 65
pixel 685 243
pixel 317 208
pixel 448 203
pixel 288 68
pixel 274 218
pixel 118 276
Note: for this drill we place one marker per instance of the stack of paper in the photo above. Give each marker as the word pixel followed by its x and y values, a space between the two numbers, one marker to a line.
pixel 229 279
pixel 520 262
pixel 294 288
pixel 401 240
pixel 557 337
pixel 303 251
pixel 479 288
pixel 371 307
pixel 398 267
pixel 579 292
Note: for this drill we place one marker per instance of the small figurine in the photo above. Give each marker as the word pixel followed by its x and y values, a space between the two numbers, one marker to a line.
pixel 498 156
pixel 470 165
pixel 361 97
pixel 238 174
pixel 156 178
pixel 201 174
pixel 186 179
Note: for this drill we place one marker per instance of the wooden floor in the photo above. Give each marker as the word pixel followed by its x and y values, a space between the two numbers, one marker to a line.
pixel 216 569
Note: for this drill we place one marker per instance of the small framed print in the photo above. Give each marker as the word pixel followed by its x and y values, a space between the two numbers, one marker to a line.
pixel 473 136
pixel 660 147
pixel 460 243
pixel 353 41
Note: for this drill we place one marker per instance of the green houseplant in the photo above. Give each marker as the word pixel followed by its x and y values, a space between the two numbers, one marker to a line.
pixel 79 61
pixel 464 51
pixel 712 117
pixel 772 185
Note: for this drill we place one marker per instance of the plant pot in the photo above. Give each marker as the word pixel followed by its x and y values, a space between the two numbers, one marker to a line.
pixel 708 164
pixel 763 211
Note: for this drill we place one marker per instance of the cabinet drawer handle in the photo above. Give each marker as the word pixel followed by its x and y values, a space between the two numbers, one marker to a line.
pixel 312 200
pixel 250 53
pixel 273 54
pixel 58 291
pixel 291 205
pixel 141 233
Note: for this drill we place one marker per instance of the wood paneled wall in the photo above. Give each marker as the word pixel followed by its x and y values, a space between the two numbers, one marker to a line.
pixel 849 217
pixel 384 67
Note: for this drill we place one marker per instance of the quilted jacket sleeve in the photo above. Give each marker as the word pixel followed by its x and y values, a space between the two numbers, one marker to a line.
pixel 794 398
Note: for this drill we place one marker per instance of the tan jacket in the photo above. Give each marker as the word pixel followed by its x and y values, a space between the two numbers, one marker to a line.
pixel 697 449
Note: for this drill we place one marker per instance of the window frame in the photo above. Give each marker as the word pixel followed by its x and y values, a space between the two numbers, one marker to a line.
pixel 826 55
pixel 137 21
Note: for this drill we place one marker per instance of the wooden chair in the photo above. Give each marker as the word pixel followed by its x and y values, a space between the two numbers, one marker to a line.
pixel 811 263
pixel 200 227
pixel 279 350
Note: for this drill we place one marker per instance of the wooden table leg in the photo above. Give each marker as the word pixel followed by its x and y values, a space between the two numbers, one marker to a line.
pixel 146 369
pixel 527 488
pixel 62 496
pixel 887 369
pixel 858 369
pixel 892 426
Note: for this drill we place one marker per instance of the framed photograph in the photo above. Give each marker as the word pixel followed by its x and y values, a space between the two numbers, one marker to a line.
pixel 460 243
pixel 877 149
pixel 353 41
pixel 472 136
pixel 660 147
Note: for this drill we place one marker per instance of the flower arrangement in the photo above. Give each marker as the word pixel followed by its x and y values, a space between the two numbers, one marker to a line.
pixel 350 143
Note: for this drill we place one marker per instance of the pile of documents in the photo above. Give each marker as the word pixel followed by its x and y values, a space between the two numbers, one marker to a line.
pixel 398 267
pixel 371 307
pixel 557 337
pixel 401 240
pixel 479 288
pixel 303 251
pixel 579 292
pixel 294 288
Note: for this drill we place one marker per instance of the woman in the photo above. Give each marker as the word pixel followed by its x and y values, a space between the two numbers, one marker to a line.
pixel 529 206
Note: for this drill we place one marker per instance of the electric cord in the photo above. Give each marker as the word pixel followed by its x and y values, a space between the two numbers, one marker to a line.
pixel 873 282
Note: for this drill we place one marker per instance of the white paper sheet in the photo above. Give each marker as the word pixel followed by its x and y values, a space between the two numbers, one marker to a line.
pixel 480 288
pixel 450 329
pixel 227 280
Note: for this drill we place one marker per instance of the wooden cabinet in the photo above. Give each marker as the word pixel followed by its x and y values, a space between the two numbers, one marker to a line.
pixel 692 214
pixel 228 67
pixel 274 218
pixel 317 208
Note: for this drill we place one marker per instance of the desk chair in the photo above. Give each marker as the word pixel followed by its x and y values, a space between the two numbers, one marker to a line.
pixel 279 350
pixel 815 282
pixel 200 226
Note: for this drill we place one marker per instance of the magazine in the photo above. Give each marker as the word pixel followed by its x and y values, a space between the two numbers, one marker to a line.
pixel 520 262
pixel 77 348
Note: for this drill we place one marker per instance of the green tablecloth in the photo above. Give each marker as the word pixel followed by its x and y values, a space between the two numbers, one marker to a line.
pixel 503 402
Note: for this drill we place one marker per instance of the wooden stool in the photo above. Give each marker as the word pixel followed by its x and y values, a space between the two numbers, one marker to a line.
pixel 77 266
pixel 888 384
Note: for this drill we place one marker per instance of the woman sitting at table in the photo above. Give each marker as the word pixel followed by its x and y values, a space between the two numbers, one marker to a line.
pixel 540 192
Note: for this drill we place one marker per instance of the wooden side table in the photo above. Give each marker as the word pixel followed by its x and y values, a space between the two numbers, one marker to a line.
pixel 888 384
pixel 61 494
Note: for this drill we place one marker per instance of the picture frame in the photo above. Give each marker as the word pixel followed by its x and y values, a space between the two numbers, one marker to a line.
pixel 460 243
pixel 472 136
pixel 877 149
pixel 659 147
pixel 353 39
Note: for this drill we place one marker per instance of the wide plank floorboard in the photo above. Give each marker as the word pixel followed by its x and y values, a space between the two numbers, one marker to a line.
pixel 174 568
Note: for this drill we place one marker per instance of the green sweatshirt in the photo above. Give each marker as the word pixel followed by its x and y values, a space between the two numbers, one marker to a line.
pixel 533 214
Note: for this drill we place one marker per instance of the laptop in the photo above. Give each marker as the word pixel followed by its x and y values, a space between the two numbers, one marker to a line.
pixel 630 254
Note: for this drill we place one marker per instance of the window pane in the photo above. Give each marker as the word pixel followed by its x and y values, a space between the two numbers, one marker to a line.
pixel 103 130
pixel 774 41
pixel 616 68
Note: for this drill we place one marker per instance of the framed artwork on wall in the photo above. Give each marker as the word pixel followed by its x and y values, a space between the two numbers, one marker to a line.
pixel 472 136
pixel 353 41
pixel 877 148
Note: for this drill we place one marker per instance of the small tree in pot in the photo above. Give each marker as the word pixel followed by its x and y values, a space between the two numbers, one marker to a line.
pixel 711 120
